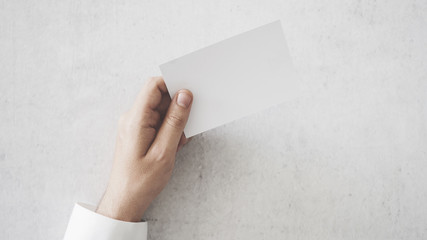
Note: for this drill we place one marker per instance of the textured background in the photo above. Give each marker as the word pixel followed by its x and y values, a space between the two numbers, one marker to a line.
pixel 347 159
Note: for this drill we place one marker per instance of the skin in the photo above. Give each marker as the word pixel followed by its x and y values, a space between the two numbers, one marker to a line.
pixel 149 136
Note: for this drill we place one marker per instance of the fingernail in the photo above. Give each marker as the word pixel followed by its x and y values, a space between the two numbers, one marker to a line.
pixel 183 99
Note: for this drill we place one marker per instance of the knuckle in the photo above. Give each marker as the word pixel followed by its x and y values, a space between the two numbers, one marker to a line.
pixel 153 80
pixel 160 154
pixel 175 121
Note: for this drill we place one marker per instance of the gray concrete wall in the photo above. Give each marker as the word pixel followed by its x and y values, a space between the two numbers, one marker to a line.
pixel 347 159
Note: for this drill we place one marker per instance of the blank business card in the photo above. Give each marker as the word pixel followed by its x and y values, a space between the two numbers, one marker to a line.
pixel 233 78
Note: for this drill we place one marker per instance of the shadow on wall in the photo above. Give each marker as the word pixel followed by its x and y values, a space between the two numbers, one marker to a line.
pixel 230 182
pixel 209 174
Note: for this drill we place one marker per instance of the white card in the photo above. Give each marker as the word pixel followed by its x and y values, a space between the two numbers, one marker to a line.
pixel 233 78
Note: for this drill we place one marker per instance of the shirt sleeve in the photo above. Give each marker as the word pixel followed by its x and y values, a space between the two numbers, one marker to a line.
pixel 86 224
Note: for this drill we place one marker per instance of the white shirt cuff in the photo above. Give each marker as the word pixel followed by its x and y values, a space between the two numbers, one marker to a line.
pixel 86 224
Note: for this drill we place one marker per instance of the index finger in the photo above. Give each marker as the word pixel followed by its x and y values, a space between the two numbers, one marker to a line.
pixel 150 96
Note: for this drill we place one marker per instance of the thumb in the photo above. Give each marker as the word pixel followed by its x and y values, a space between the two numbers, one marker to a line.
pixel 174 122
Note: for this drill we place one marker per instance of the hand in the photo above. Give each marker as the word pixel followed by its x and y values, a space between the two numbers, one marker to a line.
pixel 149 136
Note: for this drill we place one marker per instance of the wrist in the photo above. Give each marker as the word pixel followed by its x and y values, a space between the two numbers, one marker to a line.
pixel 122 208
